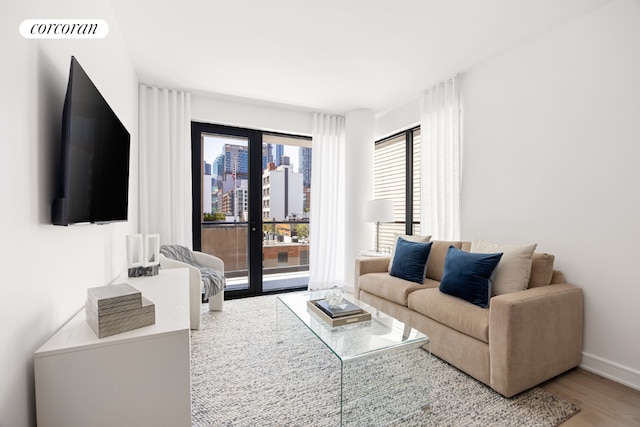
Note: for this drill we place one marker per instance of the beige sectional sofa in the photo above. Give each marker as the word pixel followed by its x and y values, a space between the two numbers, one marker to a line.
pixel 521 340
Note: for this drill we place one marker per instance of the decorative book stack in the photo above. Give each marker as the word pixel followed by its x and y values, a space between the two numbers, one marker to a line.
pixel 118 308
pixel 338 316
pixel 345 308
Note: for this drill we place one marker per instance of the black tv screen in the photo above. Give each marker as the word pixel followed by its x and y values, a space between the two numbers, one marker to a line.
pixel 94 178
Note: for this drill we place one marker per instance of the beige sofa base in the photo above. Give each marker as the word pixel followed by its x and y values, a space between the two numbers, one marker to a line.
pixel 462 351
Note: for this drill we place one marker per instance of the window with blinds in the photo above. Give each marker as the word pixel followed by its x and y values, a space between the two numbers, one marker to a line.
pixel 396 176
pixel 416 181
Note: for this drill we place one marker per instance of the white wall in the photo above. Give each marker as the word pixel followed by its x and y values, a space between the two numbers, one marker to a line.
pixel 551 156
pixel 359 128
pixel 47 269
pixel 209 109
pixel 404 116
pixel 551 146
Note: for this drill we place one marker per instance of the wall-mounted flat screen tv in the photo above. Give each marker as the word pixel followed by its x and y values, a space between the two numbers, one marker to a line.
pixel 93 182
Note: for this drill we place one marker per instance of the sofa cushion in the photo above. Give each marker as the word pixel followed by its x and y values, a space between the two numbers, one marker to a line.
pixel 514 269
pixel 541 269
pixel 430 283
pixel 410 260
pixel 437 255
pixel 454 312
pixel 388 287
pixel 421 239
pixel 468 275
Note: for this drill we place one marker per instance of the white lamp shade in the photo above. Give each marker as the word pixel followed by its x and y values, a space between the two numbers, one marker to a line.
pixel 379 210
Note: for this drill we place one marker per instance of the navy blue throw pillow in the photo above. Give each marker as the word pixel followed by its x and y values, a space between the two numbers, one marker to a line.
pixel 410 260
pixel 468 275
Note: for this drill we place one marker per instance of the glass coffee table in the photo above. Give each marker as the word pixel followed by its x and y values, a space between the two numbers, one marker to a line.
pixel 384 362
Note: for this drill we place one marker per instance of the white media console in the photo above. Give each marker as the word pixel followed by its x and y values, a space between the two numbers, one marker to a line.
pixel 137 378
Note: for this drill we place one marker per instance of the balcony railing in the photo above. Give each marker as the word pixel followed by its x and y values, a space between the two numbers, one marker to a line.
pixel 285 246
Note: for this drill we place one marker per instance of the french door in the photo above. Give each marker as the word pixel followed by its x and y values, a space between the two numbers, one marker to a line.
pixel 238 212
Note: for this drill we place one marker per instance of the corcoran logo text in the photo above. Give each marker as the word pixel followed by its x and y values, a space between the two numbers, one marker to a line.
pixel 64 28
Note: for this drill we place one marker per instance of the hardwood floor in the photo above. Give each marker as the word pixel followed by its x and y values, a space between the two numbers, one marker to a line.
pixel 602 401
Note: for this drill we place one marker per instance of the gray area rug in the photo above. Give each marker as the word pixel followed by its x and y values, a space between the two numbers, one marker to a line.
pixel 242 377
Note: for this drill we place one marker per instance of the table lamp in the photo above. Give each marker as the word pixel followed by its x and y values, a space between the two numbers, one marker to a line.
pixel 379 210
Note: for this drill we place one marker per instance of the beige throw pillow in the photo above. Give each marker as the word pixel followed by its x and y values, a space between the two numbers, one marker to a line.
pixel 419 239
pixel 437 257
pixel 541 269
pixel 513 272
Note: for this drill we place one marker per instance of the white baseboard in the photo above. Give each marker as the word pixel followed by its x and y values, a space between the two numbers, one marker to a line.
pixel 613 371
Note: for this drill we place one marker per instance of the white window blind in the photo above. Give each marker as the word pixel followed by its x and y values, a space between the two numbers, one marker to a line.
pixel 390 182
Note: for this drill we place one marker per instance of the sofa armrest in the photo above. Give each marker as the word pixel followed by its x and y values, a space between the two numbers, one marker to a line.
pixel 534 335
pixel 369 265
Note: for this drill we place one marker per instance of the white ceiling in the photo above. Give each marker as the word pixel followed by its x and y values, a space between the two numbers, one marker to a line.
pixel 326 55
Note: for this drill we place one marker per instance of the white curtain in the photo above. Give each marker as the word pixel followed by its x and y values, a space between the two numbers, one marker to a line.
pixel 326 257
pixel 440 127
pixel 165 164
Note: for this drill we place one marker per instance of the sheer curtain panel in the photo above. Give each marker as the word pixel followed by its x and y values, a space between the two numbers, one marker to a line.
pixel 326 257
pixel 440 124
pixel 165 164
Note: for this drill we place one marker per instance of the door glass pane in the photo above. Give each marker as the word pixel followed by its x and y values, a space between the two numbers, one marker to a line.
pixel 225 175
pixel 286 197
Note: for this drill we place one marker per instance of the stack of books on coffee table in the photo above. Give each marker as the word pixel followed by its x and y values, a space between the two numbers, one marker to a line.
pixel 118 308
pixel 347 313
